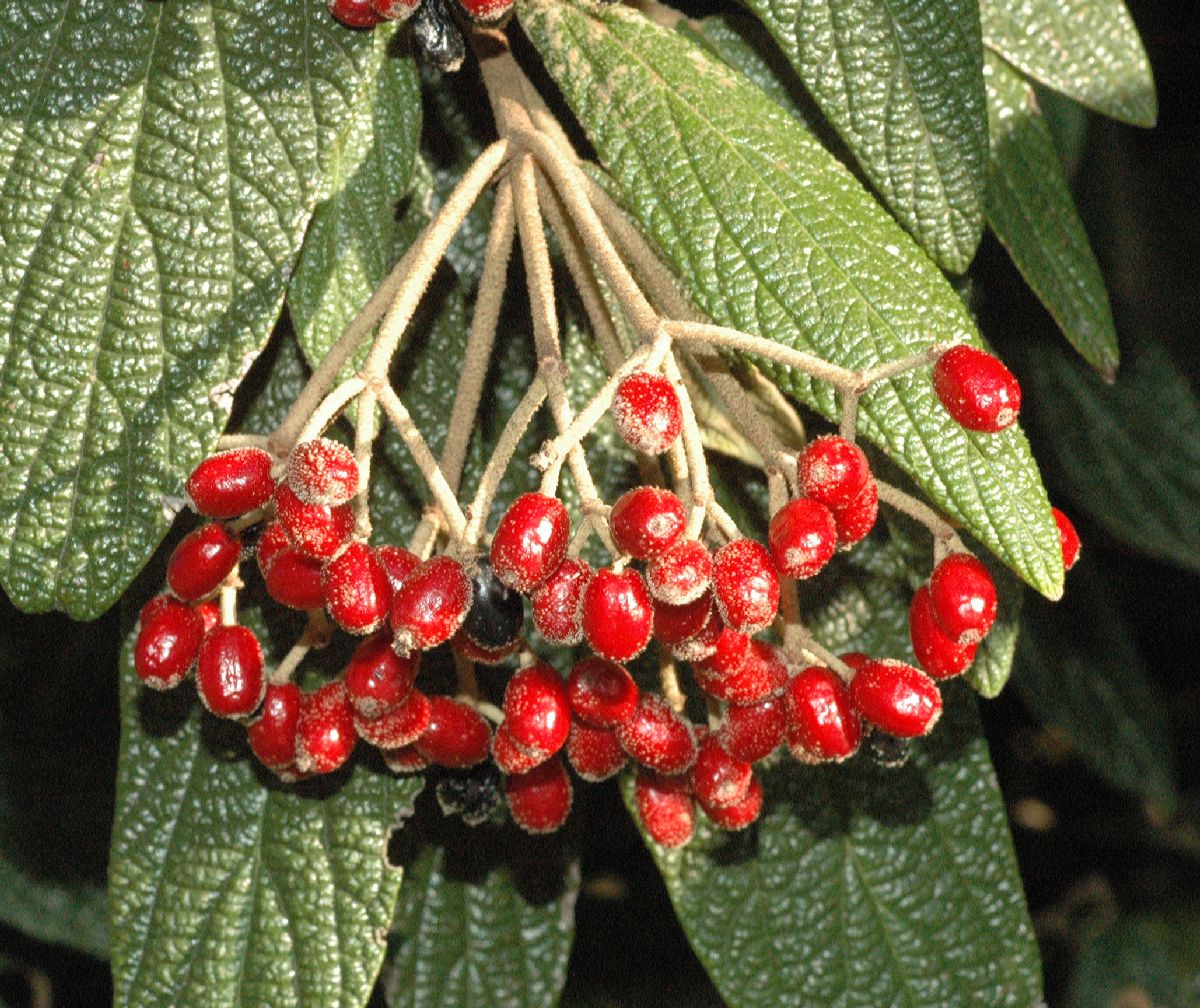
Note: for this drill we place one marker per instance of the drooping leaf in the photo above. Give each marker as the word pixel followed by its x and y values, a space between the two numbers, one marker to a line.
pixel 1031 210
pixel 775 238
pixel 993 664
pixel 351 241
pixel 1079 670
pixel 901 82
pixel 1089 50
pixel 1127 454
pixel 158 165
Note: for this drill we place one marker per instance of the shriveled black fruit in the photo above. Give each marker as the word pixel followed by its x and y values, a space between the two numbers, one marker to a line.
pixel 438 37
pixel 497 612
pixel 886 750
pixel 474 797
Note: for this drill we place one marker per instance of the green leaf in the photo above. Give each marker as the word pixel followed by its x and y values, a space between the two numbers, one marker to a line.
pixel 485 920
pixel 1128 454
pixel 901 82
pixel 71 914
pixel 351 241
pixel 1089 50
pixel 993 664
pixel 1079 670
pixel 1130 962
pixel 159 163
pixel 1030 208
pixel 775 238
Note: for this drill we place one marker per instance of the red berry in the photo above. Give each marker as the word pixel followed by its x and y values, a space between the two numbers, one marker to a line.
pixel 802 537
pixel 745 585
pixel 963 597
pixel 539 799
pixel 466 647
pixel 855 520
pixel 294 580
pixel 557 602
pixel 601 693
pixel 358 593
pixel 229 671
pixel 536 710
pixel 703 644
pixel 272 735
pixel 395 10
pixel 273 541
pixel 896 697
pixel 739 815
pixel 657 737
pixel 530 541
pixel 399 726
pixel 939 655
pixel 646 412
pixel 752 732
pixel 833 471
pixel 353 13
pixel 404 760
pixel 316 530
pixel 509 757
pixel 976 389
pixel 680 574
pixel 398 562
pixel 457 735
pixel 1069 538
pixel 322 472
pixel 719 779
pixel 431 604
pixel 618 615
pixel 325 734
pixel 167 643
pixel 674 624
pixel 761 674
pixel 822 723
pixel 231 483
pixel 665 807
pixel 377 678
pixel 595 753
pixel 202 560
pixel 210 613
pixel 647 521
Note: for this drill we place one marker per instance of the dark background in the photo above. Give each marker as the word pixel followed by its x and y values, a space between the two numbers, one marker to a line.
pixel 1089 854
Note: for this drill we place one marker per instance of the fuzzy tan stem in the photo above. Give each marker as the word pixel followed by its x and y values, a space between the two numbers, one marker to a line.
pixel 905 503
pixel 330 408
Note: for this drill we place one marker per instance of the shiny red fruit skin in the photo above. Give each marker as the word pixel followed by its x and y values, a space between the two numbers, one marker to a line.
pixel 896 697
pixel 511 758
pixel 557 603
pixel 167 642
pixel 674 624
pixel 729 654
pixel 202 560
pixel 963 598
pixel 665 807
pixel 430 605
pixel 802 538
pixel 530 541
pixel 540 799
pixel 681 574
pixel 822 722
pixel 1068 537
pixel 646 412
pixel 273 541
pixel 761 674
pixel 229 671
pixel 739 815
pixel 272 735
pixel 703 644
pixel 752 732
pixel 537 712
pixel 316 530
pixel 601 693
pixel 398 726
pixel 658 737
pixel 832 471
pixel 466 647
pixel 745 585
pixel 595 753
pixel 294 580
pixel 719 779
pixel 855 520
pixel 358 592
pixel 936 653
pixel 395 10
pixel 397 562
pixel 618 616
pixel 322 471
pixel 486 11
pixel 647 521
pixel 377 678
pixel 325 735
pixel 231 483
pixel 353 13
pixel 210 613
pixel 977 389
pixel 457 735
pixel 404 760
